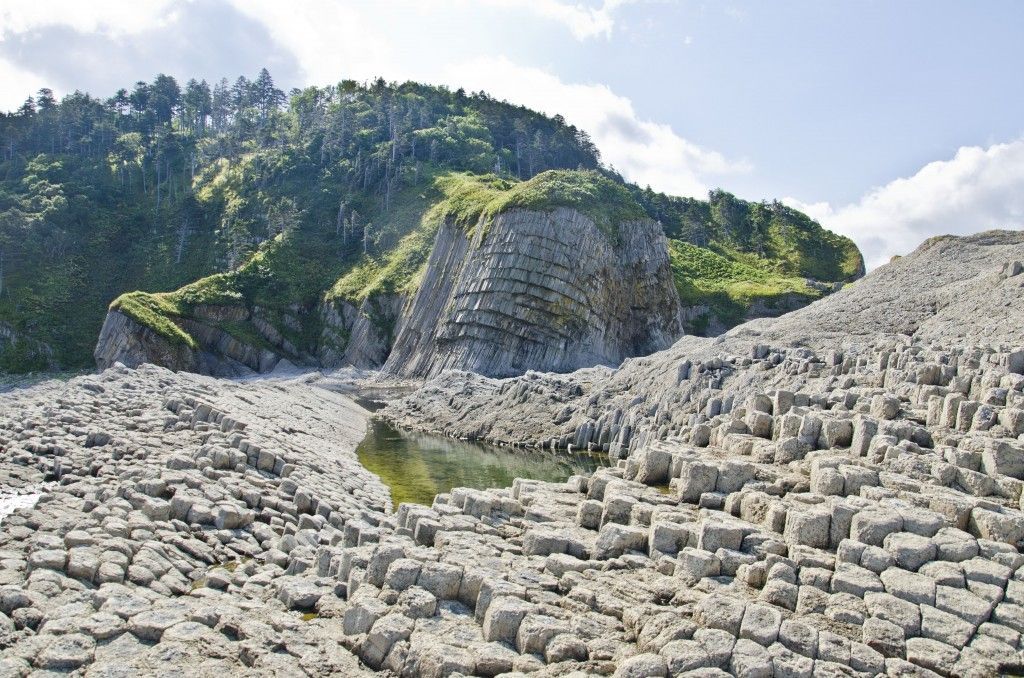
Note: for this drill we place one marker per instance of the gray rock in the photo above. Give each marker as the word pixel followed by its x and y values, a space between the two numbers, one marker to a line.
pixel 504 615
pixel 299 594
pixel 67 652
pixel 719 611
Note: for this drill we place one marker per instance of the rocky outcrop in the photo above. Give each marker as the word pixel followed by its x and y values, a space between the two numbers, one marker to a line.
pixel 834 492
pixel 147 500
pixel 123 340
pixel 787 500
pixel 541 290
pixel 360 336
pixel 951 292
pixel 522 290
pixel 216 351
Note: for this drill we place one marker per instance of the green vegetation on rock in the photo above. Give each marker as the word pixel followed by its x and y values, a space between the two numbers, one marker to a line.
pixel 244 210
pixel 729 283
pixel 473 201
pixel 765 234
pixel 166 184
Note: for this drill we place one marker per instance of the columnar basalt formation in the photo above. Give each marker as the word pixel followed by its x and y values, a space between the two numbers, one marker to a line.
pixel 165 519
pixel 819 494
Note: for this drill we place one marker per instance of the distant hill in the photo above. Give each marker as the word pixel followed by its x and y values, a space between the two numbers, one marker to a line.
pixel 280 210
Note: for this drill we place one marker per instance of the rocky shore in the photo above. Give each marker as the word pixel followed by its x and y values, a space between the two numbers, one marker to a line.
pixel 836 492
pixel 174 525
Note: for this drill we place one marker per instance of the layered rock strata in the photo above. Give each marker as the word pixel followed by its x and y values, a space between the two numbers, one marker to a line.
pixel 543 291
pixel 532 290
pixel 216 351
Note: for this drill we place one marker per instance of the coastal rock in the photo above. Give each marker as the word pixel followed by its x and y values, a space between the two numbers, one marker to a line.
pixel 545 291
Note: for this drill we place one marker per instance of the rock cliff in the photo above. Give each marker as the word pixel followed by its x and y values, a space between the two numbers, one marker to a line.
pixel 834 492
pixel 212 349
pixel 496 276
pixel 957 294
pixel 535 290
pixel 544 291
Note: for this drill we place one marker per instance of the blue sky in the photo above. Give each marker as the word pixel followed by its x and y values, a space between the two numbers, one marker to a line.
pixel 887 121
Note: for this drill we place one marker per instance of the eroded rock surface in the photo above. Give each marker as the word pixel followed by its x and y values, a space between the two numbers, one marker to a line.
pixel 814 495
pixel 179 525
pixel 533 290
pixel 545 291
pixel 834 492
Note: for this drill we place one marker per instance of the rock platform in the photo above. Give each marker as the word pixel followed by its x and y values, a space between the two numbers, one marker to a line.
pixel 817 495
pixel 178 523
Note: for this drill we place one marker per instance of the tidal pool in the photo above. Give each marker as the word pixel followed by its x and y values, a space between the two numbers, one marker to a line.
pixel 417 466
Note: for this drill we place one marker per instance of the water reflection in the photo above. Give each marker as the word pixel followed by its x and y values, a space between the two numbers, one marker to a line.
pixel 417 466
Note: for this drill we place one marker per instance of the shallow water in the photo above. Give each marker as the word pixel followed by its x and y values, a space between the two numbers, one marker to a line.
pixel 417 466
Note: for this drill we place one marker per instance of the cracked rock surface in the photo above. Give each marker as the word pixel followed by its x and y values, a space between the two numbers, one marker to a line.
pixel 818 495
pixel 837 491
pixel 171 524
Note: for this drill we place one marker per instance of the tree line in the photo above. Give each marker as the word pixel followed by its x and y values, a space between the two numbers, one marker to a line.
pixel 160 184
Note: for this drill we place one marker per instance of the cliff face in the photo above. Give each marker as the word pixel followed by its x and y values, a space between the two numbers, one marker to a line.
pixel 542 290
pixel 123 340
pixel 547 291
pixel 359 335
pixel 215 351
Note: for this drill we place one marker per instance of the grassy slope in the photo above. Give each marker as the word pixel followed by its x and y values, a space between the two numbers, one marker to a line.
pixel 472 201
pixel 728 284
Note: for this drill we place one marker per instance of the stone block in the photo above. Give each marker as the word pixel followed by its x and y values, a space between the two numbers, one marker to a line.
pixel 999 526
pixel 695 478
pixel 761 623
pixel 910 551
pixel 503 618
pixel 720 611
pixel 872 527
pixel 884 637
pixel 808 527
pixel 695 564
pixel 715 534
pixel 912 587
pixel 614 540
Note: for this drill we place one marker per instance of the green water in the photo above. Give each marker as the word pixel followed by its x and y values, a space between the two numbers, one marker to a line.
pixel 417 466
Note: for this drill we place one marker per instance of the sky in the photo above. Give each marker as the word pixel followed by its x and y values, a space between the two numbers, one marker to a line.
pixel 889 122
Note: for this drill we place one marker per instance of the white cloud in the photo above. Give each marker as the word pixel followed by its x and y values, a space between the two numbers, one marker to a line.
pixel 583 21
pixel 978 189
pixel 109 17
pixel 18 84
pixel 330 40
pixel 643 151
pixel 113 17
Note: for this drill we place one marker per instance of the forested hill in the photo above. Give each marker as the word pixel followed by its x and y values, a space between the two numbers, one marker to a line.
pixel 162 185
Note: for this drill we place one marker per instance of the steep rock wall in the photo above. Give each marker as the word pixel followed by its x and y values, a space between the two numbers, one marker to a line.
pixel 546 290
pixel 538 290
pixel 123 340
pixel 216 352
pixel 361 336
